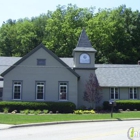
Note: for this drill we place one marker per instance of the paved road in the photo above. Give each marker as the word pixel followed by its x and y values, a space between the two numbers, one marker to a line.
pixel 116 130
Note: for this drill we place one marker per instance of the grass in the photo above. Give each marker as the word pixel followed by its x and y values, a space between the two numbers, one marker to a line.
pixel 24 119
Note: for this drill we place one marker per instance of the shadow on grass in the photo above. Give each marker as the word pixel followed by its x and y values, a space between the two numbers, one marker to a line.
pixel 119 119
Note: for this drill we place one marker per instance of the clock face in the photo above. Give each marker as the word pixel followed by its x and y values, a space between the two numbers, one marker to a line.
pixel 84 58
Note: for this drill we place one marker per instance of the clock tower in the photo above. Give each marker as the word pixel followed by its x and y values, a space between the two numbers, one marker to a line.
pixel 84 53
pixel 84 65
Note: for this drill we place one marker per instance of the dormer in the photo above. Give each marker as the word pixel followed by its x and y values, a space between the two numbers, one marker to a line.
pixel 84 53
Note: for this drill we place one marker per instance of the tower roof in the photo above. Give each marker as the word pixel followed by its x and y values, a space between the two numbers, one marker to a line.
pixel 84 43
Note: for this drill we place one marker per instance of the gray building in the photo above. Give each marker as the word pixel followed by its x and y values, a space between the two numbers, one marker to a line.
pixel 42 76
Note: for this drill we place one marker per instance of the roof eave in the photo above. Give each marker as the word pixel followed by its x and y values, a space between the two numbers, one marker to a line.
pixel 34 50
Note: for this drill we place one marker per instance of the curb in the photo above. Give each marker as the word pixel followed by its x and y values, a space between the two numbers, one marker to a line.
pixel 67 122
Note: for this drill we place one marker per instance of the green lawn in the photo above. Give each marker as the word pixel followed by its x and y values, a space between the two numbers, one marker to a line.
pixel 24 119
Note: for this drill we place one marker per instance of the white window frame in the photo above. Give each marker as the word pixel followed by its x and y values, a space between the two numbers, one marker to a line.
pixel 40 84
pixel 133 91
pixel 63 84
pixel 115 91
pixel 17 84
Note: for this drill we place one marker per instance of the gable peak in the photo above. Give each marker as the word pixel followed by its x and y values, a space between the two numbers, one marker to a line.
pixel 83 40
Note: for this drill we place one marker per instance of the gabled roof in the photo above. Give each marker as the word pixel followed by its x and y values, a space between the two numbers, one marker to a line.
pixel 114 75
pixel 34 50
pixel 6 62
pixel 108 75
pixel 84 43
pixel 117 75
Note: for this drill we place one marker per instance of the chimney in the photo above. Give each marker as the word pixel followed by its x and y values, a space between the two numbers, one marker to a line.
pixel 138 62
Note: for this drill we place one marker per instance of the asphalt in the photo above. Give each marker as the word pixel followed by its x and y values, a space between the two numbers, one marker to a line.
pixel 7 126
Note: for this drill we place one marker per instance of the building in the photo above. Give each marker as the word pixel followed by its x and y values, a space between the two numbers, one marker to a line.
pixel 42 76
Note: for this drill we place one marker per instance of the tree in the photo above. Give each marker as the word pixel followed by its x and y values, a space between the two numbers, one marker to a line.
pixel 7 38
pixel 114 34
pixel 39 25
pixel 92 92
pixel 26 37
pixel 64 27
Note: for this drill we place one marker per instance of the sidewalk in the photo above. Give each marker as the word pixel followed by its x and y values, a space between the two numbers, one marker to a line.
pixel 7 126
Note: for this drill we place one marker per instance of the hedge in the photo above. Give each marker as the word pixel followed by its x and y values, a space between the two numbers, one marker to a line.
pixel 123 104
pixel 62 107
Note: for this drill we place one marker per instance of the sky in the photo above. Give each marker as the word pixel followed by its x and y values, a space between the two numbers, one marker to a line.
pixel 16 9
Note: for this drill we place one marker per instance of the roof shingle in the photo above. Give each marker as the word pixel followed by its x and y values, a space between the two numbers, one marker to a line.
pixel 108 75
pixel 84 43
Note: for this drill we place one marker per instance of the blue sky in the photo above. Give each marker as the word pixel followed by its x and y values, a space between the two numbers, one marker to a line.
pixel 15 9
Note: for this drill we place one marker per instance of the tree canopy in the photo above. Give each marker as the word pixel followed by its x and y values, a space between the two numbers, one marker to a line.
pixel 114 33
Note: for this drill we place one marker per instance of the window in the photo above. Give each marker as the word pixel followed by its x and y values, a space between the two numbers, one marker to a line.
pixel 41 62
pixel 114 93
pixel 40 90
pixel 1 79
pixel 133 93
pixel 17 90
pixel 63 90
pixel 1 90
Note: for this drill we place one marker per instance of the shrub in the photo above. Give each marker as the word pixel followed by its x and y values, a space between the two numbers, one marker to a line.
pixel 88 112
pixel 26 111
pixel 45 111
pixel 31 111
pixel 5 109
pixel 106 105
pixel 78 112
pixel 128 104
pixel 22 111
pixel 37 112
pixel 123 104
pixel 62 107
pixel 84 112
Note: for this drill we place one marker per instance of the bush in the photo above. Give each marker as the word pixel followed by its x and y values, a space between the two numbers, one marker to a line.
pixel 84 112
pixel 37 112
pixel 26 111
pixel 31 111
pixel 106 105
pixel 22 111
pixel 45 111
pixel 5 109
pixel 62 107
pixel 124 105
pixel 78 112
pixel 88 111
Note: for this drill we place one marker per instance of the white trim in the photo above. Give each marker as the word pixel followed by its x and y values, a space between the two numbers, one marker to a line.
pixel 133 92
pixel 114 92
pixel 65 92
pixel 40 86
pixel 17 85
